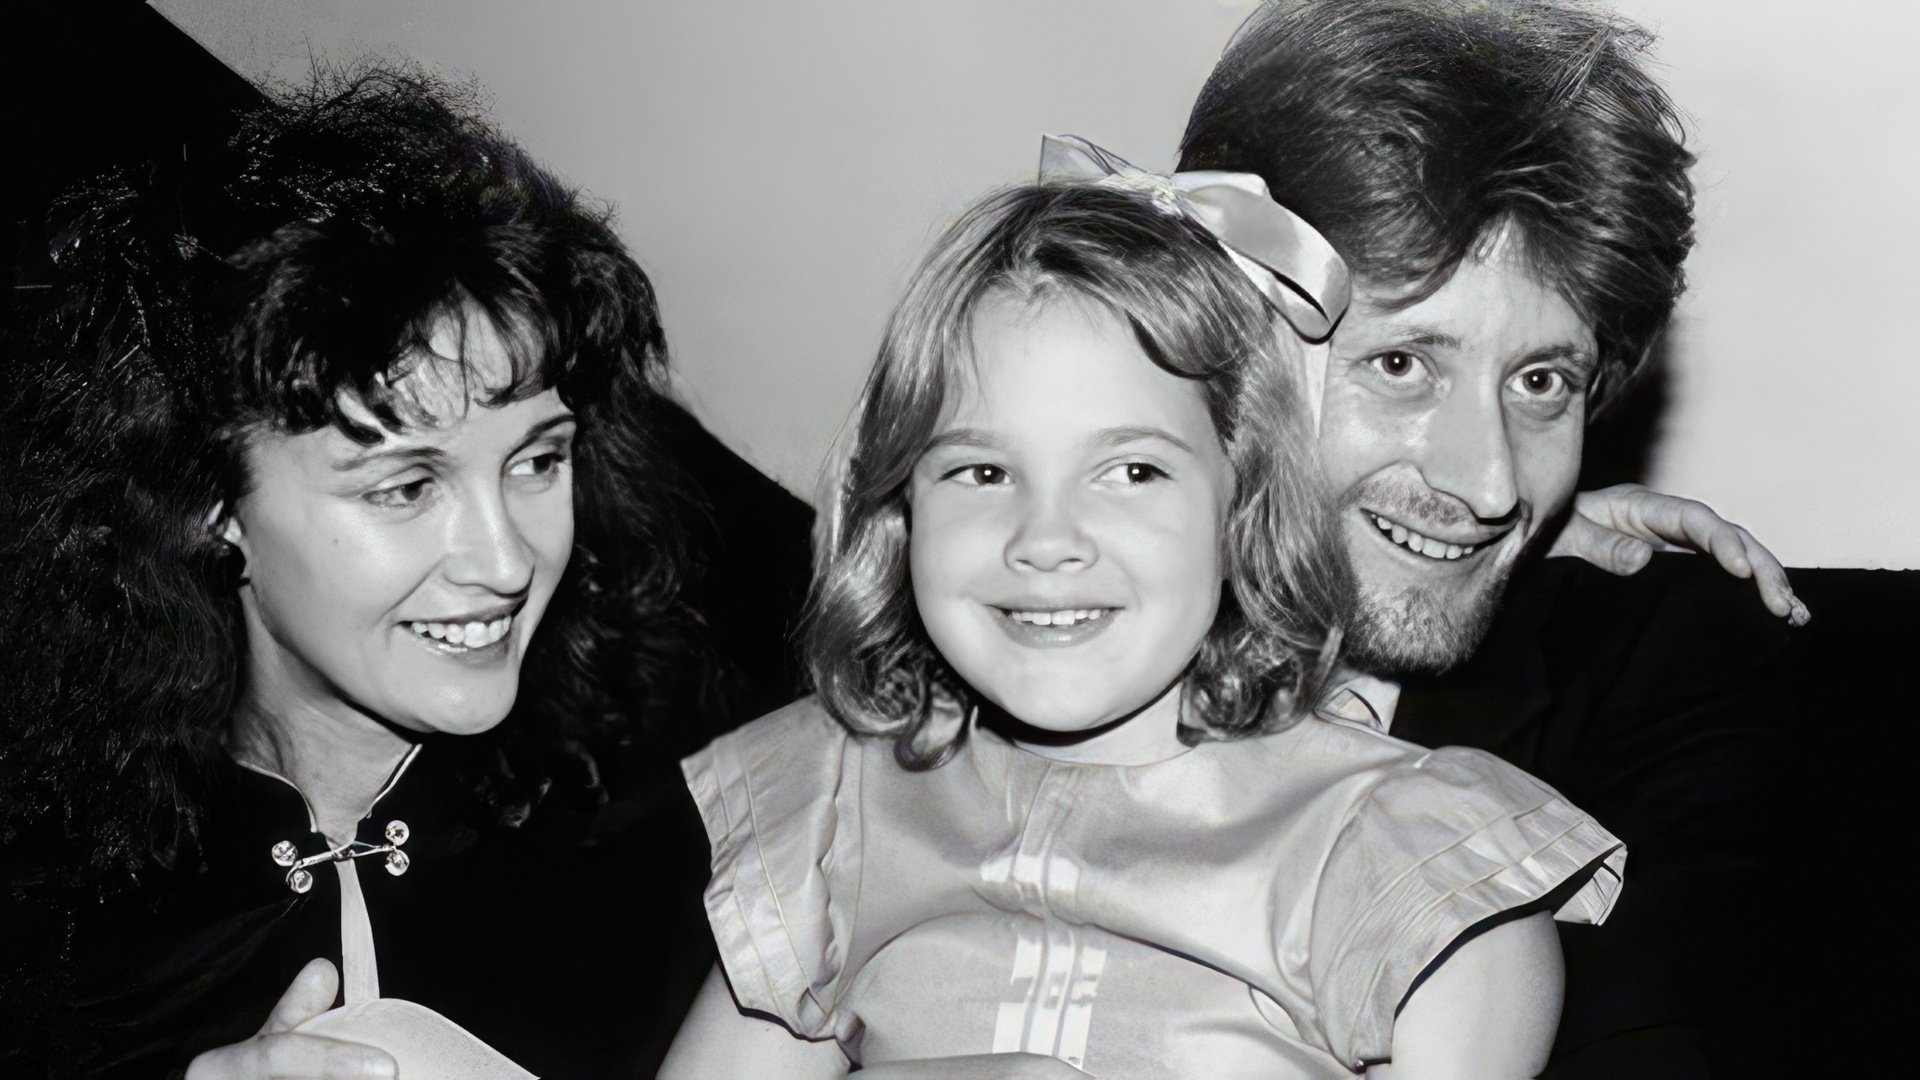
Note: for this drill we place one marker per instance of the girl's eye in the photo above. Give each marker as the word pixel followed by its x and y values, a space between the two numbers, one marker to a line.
pixel 401 496
pixel 978 475
pixel 1134 473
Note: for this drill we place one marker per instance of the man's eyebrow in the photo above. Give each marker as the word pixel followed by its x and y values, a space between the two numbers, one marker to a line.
pixel 1132 433
pixel 1576 355
pixel 374 454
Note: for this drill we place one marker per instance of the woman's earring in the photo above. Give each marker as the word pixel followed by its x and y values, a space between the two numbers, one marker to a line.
pixel 232 566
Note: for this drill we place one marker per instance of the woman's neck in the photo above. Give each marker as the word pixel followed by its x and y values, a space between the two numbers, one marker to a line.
pixel 338 759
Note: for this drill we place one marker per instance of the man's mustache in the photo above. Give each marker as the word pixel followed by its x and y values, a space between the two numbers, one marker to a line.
pixel 1410 503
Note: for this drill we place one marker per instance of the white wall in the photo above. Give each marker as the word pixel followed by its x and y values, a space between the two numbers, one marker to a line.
pixel 779 167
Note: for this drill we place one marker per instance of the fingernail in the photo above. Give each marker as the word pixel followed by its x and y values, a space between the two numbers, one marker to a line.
pixel 1798 615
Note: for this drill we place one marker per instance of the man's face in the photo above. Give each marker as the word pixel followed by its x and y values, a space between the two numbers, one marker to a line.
pixel 1451 428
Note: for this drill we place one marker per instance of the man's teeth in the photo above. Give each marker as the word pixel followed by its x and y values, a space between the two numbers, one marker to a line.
pixel 471 635
pixel 1421 545
pixel 1070 617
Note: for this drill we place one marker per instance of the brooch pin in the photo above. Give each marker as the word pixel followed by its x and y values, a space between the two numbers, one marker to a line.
pixel 300 879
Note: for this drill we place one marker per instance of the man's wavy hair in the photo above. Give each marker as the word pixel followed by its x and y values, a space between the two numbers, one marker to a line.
pixel 1195 315
pixel 1406 130
pixel 307 265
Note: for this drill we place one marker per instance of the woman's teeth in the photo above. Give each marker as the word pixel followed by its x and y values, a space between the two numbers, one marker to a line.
pixel 1421 545
pixel 1071 617
pixel 472 635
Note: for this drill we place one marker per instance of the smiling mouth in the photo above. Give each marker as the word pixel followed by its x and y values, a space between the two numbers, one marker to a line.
pixel 1064 617
pixel 464 636
pixel 1426 547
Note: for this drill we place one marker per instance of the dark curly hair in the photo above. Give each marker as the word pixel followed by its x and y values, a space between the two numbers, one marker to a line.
pixel 1195 315
pixel 1405 129
pixel 193 304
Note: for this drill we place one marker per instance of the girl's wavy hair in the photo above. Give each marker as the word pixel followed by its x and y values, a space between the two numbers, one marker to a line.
pixel 1273 643
pixel 309 264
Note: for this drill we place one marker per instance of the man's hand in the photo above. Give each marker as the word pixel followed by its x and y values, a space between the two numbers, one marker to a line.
pixel 1619 528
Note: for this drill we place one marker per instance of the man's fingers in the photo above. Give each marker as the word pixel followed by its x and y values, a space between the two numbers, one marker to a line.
pixel 1612 551
pixel 310 994
pixel 1775 590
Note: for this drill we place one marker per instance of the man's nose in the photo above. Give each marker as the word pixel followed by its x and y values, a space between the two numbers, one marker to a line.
pixel 487 548
pixel 1469 455
pixel 1048 534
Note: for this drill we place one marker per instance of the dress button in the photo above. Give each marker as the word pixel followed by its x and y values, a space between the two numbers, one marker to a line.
pixel 397 863
pixel 397 832
pixel 285 853
pixel 300 881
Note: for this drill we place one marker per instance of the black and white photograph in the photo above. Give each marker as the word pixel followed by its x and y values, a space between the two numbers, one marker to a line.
pixel 1008 540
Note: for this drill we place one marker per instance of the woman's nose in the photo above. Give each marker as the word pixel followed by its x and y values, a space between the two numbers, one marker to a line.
pixel 487 548
pixel 1049 535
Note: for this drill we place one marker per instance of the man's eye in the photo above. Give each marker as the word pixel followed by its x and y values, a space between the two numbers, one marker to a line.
pixel 978 475
pixel 1540 382
pixel 1134 473
pixel 1397 365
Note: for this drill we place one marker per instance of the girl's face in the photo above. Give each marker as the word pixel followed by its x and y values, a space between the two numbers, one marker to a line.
pixel 1066 527
pixel 403 580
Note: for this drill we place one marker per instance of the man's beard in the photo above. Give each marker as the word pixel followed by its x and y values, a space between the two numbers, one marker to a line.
pixel 1411 630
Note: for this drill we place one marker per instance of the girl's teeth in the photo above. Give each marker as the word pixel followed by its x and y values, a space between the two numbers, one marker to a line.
pixel 1068 617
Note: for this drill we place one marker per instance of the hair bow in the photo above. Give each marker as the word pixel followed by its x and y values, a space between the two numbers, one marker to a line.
pixel 1287 259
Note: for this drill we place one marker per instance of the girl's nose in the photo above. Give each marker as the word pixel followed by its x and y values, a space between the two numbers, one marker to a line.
pixel 1048 536
pixel 487 548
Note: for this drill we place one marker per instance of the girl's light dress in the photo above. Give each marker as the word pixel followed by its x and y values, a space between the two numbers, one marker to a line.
pixel 1256 908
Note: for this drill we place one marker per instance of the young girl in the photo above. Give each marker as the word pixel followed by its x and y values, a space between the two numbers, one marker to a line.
pixel 1055 807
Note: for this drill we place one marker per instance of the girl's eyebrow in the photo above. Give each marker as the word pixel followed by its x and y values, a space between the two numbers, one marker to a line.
pixel 973 437
pixel 1132 433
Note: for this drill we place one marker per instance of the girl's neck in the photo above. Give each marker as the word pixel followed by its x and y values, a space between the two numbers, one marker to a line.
pixel 338 759
pixel 1142 737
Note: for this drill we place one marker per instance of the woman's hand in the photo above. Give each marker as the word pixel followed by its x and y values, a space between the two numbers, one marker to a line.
pixel 976 1067
pixel 1619 528
pixel 278 1053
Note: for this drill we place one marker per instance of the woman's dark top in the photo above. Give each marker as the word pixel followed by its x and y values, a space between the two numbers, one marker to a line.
pixel 570 944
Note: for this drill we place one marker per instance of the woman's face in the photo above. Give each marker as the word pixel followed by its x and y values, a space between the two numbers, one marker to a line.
pixel 403 580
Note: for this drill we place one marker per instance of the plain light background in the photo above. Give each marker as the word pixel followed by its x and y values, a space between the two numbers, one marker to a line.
pixel 779 168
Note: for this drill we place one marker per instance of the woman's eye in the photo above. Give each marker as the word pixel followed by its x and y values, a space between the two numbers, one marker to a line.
pixel 401 496
pixel 539 465
pixel 978 475
pixel 1134 473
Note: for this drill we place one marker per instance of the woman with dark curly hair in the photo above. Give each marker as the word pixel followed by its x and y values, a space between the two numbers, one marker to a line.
pixel 342 578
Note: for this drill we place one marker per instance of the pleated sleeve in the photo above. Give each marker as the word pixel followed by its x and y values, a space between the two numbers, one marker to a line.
pixel 780 799
pixel 1437 846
